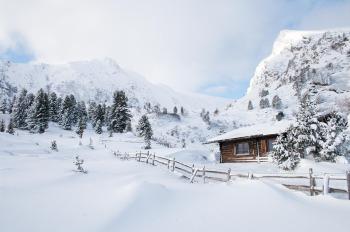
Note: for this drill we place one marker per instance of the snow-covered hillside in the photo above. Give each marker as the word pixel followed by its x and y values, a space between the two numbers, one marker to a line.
pixel 300 59
pixel 97 80
pixel 39 191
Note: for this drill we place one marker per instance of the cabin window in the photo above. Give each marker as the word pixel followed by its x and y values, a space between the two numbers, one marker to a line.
pixel 242 148
pixel 270 143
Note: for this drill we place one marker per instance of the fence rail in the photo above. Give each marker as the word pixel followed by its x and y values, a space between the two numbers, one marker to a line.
pixel 195 174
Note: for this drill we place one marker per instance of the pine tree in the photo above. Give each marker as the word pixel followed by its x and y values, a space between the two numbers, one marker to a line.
pixel 98 115
pixel 54 145
pixel 276 102
pixel 19 111
pixel 107 116
pixel 30 99
pixel 2 126
pixel 283 152
pixel 308 130
pixel 67 113
pixel 11 104
pixel 82 114
pixel 145 130
pixel 216 112
pixel 54 107
pixel 98 127
pixel 91 110
pixel 120 114
pixel 175 110
pixel 3 106
pixel 334 137
pixel 38 115
pixel 73 109
pixel 264 103
pixel 81 128
pixel 182 110
pixel 129 127
pixel 10 127
pixel 250 105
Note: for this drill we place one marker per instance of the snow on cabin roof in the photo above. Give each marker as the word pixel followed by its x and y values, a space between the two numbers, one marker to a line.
pixel 252 131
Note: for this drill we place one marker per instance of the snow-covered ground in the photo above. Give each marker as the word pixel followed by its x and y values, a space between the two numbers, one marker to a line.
pixel 39 191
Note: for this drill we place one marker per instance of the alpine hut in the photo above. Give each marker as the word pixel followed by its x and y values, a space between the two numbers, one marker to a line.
pixel 249 143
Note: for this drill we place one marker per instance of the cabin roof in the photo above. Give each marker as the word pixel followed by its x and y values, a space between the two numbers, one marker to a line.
pixel 252 131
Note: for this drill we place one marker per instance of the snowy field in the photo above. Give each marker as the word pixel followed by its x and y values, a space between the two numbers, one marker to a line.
pixel 39 191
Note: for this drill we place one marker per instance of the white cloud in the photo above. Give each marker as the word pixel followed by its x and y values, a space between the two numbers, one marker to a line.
pixel 186 44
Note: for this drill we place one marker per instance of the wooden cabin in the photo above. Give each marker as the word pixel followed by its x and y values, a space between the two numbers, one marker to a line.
pixel 248 144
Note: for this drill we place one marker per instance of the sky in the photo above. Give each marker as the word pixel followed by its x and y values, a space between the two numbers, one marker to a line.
pixel 205 46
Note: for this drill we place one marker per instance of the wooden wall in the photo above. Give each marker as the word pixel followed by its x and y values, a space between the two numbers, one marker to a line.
pixel 228 153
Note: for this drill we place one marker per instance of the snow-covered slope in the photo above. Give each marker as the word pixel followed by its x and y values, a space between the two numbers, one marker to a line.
pixel 300 59
pixel 96 80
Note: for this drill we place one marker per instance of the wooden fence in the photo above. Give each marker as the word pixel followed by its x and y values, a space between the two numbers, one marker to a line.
pixel 204 175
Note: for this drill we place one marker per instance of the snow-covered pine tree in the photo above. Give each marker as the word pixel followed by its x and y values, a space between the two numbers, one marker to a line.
pixel 250 105
pixel 334 137
pixel 182 110
pixel 264 103
pixel 175 110
pixel 128 127
pixel 2 126
pixel 91 110
pixel 73 109
pixel 38 116
pixel 54 107
pixel 10 127
pixel 81 128
pixel 30 99
pixel 82 114
pixel 308 130
pixel 19 109
pixel 276 102
pixel 3 106
pixel 107 116
pixel 98 115
pixel 67 113
pixel 165 110
pixel 144 129
pixel 120 114
pixel 11 104
pixel 283 152
pixel 98 127
pixel 54 145
pixel 216 112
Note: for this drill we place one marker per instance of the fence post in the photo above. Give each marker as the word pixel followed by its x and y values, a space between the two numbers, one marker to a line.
pixel 192 168
pixel 325 184
pixel 168 164
pixel 203 175
pixel 312 183
pixel 250 175
pixel 147 157
pixel 173 164
pixel 154 157
pixel 348 182
pixel 228 174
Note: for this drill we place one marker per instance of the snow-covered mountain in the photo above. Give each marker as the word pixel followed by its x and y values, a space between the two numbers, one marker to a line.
pixel 299 60
pixel 96 80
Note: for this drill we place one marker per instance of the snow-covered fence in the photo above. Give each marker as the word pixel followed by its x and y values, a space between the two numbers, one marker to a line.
pixel 290 180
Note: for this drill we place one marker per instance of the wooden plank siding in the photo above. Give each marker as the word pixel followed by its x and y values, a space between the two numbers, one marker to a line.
pixel 228 149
